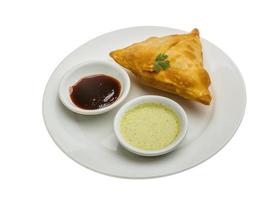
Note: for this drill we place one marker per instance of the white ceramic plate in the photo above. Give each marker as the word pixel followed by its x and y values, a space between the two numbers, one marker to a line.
pixel 90 140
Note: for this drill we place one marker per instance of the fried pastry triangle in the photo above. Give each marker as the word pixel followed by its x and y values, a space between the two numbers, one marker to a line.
pixel 183 73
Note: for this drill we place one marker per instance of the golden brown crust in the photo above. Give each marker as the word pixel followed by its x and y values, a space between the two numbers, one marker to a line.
pixel 186 75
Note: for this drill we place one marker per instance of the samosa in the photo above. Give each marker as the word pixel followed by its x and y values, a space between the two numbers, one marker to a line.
pixel 172 63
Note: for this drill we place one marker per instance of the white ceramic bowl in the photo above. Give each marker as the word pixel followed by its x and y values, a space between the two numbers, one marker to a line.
pixel 91 68
pixel 152 99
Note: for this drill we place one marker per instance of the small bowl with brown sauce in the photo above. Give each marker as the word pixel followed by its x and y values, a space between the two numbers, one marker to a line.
pixel 94 87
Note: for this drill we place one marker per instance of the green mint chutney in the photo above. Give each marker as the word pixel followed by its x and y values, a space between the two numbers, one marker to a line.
pixel 150 126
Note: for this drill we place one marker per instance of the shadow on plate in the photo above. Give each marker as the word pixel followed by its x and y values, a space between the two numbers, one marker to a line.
pixel 144 159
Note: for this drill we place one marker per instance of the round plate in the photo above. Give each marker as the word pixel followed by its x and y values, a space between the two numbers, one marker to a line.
pixel 90 140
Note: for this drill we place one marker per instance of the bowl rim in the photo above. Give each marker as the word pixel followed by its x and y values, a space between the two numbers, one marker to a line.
pixel 153 99
pixel 125 88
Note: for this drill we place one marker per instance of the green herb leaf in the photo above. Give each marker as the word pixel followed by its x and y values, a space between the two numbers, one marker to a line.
pixel 161 62
pixel 161 57
pixel 157 67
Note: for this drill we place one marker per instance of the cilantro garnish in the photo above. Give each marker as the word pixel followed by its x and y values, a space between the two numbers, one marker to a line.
pixel 161 62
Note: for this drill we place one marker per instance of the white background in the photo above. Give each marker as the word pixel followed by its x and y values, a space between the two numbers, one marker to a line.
pixel 36 35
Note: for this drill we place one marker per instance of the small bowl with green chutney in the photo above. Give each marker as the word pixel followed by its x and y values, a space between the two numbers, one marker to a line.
pixel 151 125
